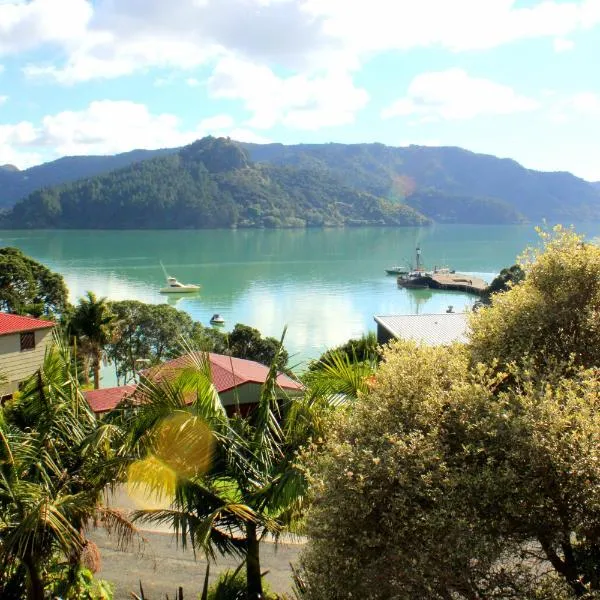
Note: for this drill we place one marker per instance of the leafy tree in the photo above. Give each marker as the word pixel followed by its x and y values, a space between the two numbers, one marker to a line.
pixel 52 475
pixel 550 317
pixel 247 342
pixel 503 282
pixel 28 287
pixel 159 332
pixel 440 485
pixel 361 349
pixel 152 332
pixel 93 325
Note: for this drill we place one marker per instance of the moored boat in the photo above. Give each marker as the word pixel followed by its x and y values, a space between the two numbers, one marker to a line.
pixel 176 287
pixel 217 319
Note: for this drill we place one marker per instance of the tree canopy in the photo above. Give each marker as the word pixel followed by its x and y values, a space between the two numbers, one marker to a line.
pixel 550 317
pixel 29 288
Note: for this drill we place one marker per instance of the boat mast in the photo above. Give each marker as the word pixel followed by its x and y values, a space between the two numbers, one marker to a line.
pixel 418 258
pixel 164 270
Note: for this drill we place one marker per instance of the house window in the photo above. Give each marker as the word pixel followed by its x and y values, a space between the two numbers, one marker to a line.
pixel 28 341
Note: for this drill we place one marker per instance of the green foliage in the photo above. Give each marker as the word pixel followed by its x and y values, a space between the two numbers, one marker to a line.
pixel 446 184
pixel 93 325
pixel 503 282
pixel 550 318
pixel 247 342
pixel 155 333
pixel 151 332
pixel 208 184
pixel 447 208
pixel 361 349
pixel 251 488
pixel 52 477
pixel 437 485
pixel 231 585
pixel 84 587
pixel 15 184
pixel 28 287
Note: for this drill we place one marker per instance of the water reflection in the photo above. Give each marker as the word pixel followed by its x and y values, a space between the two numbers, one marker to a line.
pixel 325 285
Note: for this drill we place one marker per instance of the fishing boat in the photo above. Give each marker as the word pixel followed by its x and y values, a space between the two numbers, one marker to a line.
pixel 414 277
pixel 217 319
pixel 397 271
pixel 176 287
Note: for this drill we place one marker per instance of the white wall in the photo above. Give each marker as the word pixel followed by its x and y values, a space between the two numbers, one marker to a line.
pixel 18 366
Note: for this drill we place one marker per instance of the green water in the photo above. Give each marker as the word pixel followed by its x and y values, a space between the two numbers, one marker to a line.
pixel 325 285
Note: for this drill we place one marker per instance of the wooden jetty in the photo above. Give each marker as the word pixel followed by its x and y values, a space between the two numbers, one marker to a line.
pixel 458 282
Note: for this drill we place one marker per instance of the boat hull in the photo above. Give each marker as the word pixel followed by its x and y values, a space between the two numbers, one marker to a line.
pixel 180 290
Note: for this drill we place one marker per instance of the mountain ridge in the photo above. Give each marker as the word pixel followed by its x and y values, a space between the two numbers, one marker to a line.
pixel 444 184
pixel 211 183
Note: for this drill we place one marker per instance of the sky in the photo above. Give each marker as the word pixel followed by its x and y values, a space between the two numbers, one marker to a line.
pixel 513 78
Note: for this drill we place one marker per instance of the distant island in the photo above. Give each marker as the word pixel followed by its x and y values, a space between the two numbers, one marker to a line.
pixel 219 183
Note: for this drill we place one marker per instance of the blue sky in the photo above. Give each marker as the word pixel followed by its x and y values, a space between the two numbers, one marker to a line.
pixel 516 79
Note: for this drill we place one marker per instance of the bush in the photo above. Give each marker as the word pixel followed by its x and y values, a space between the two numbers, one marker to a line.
pixel 231 585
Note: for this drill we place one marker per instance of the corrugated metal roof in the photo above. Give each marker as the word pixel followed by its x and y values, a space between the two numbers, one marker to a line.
pixel 431 329
pixel 106 399
pixel 227 373
pixel 16 323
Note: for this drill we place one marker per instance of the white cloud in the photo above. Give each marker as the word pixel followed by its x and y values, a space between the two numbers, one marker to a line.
pixel 453 94
pixel 3 100
pixel 112 38
pixel 563 45
pixel 298 101
pixel 27 25
pixel 379 25
pixel 192 82
pixel 104 127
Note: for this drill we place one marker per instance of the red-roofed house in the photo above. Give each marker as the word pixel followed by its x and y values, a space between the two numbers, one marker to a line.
pixel 238 382
pixel 23 343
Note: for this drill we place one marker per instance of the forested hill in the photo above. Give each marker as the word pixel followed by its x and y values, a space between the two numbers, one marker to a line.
pixel 445 182
pixel 298 185
pixel 209 184
pixel 16 184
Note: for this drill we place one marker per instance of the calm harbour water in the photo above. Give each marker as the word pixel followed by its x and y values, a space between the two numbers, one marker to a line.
pixel 325 285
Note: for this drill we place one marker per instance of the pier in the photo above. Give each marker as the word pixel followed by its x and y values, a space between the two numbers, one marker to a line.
pixel 458 282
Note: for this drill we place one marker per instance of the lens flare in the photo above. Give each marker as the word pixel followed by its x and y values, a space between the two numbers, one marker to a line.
pixel 151 484
pixel 183 447
pixel 184 442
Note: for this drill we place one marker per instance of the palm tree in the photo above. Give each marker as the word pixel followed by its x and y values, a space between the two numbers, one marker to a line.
pixel 93 325
pixel 52 476
pixel 252 486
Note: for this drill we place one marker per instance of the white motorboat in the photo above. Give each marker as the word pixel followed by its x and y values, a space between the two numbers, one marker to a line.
pixel 176 287
pixel 217 319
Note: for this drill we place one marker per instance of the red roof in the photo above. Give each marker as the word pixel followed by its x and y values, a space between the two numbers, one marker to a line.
pixel 227 373
pixel 107 398
pixel 16 324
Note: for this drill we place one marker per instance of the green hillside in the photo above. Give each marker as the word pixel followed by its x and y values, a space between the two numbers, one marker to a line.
pixel 451 173
pixel 220 183
pixel 209 184
pixel 16 184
